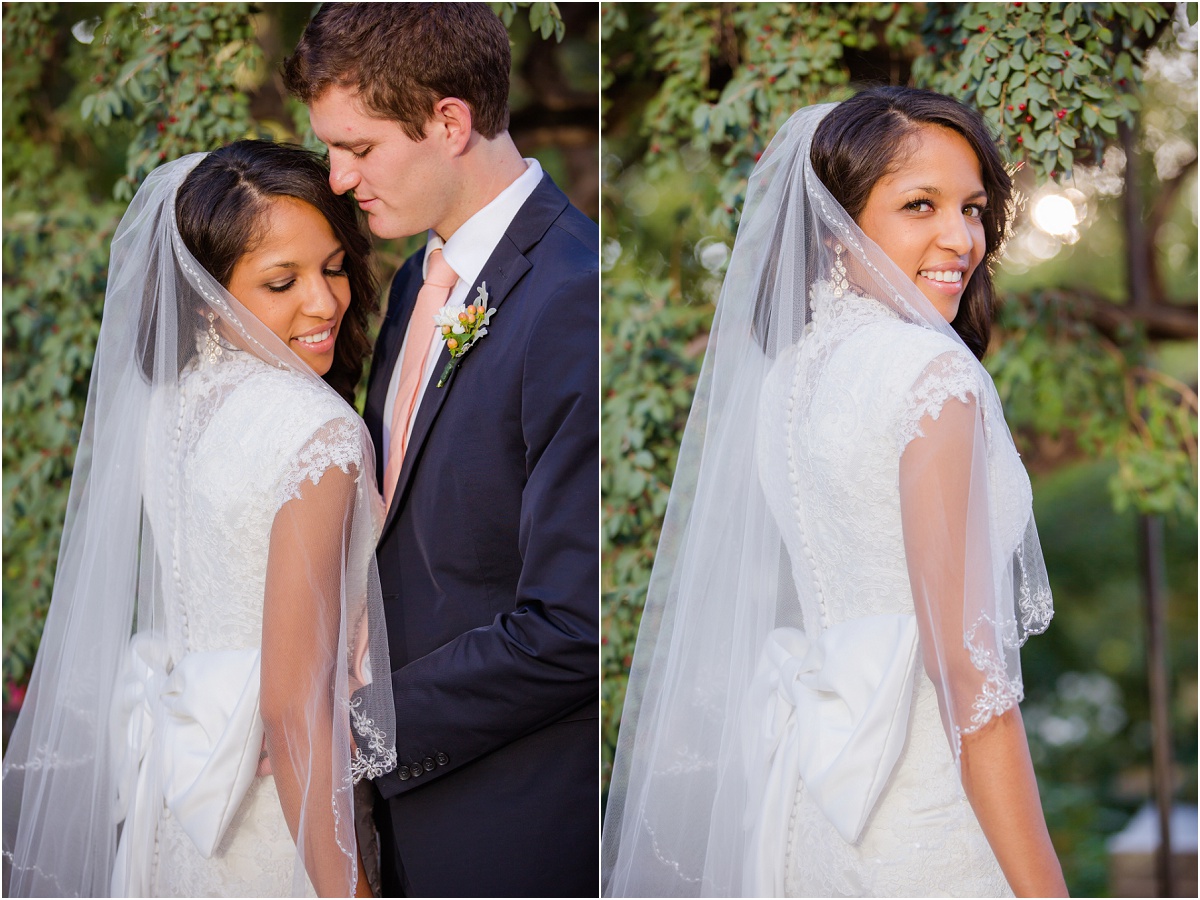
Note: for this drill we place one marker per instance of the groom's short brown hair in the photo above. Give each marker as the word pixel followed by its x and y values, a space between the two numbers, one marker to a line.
pixel 404 57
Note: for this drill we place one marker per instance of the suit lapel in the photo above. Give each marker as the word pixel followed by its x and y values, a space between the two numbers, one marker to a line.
pixel 503 270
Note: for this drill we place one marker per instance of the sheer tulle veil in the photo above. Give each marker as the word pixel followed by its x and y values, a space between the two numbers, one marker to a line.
pixel 681 798
pixel 68 774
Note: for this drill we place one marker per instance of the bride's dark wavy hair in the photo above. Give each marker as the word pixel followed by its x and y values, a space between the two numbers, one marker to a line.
pixel 219 210
pixel 866 138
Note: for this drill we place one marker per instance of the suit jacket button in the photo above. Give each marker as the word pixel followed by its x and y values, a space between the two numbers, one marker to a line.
pixel 416 770
pixel 442 759
pixel 402 773
pixel 427 762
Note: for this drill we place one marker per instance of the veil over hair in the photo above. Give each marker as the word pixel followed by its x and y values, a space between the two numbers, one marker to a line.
pixel 91 762
pixel 682 799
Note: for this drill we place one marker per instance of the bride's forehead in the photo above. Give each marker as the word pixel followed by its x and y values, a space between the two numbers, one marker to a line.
pixel 933 154
pixel 290 222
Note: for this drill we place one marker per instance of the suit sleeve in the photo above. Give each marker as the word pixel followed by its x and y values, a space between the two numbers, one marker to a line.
pixel 539 663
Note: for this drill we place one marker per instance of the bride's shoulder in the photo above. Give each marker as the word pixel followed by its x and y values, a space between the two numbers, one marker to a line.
pixel 282 411
pixel 896 352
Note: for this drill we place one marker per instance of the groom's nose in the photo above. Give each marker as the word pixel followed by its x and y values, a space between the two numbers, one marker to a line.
pixel 342 177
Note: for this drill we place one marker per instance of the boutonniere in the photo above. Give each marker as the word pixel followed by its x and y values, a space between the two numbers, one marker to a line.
pixel 461 326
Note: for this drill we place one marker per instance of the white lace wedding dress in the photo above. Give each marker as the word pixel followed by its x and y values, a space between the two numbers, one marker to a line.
pixel 834 419
pixel 239 443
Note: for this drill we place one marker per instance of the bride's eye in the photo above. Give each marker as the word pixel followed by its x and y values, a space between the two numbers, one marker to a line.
pixel 975 210
pixel 280 288
pixel 920 206
pixel 338 272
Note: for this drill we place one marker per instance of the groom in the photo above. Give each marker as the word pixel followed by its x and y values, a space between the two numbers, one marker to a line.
pixel 488 461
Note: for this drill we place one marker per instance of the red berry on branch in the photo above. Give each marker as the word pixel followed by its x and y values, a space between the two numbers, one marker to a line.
pixel 1062 113
pixel 771 80
pixel 989 59
pixel 1021 107
pixel 1067 54
pixel 1020 140
pixel 982 29
pixel 162 155
pixel 162 126
pixel 966 41
pixel 1010 109
pixel 1121 82
pixel 1053 174
pixel 1029 118
pixel 964 87
pixel 174 45
pixel 172 120
pixel 655 148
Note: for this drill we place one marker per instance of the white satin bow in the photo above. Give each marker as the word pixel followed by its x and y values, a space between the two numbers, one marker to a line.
pixel 188 736
pixel 833 712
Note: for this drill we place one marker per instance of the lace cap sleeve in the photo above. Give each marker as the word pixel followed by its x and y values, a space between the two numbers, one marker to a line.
pixel 952 374
pixel 337 442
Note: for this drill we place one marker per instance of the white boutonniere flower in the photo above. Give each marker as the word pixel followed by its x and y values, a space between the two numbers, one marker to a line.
pixel 462 326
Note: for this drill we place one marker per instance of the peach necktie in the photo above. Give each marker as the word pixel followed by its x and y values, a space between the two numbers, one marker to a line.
pixel 434 294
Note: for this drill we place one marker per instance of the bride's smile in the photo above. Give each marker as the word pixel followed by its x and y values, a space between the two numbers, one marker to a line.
pixel 294 281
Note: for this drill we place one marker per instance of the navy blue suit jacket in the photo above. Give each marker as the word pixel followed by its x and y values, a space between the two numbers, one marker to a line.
pixel 489 566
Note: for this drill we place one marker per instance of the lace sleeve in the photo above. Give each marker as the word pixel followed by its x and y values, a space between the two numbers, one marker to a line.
pixel 338 443
pixel 952 374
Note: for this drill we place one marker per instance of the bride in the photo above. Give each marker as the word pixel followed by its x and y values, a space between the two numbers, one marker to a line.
pixel 824 695
pixel 202 702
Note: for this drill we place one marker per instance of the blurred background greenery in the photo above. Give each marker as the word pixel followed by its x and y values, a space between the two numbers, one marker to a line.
pixel 95 95
pixel 1095 353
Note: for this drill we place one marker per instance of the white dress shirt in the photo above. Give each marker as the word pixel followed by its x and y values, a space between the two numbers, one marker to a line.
pixel 467 251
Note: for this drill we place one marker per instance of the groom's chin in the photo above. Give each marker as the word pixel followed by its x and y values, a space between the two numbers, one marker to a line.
pixel 389 230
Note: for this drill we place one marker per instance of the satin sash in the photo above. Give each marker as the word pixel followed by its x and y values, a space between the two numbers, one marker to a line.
pixel 187 736
pixel 833 712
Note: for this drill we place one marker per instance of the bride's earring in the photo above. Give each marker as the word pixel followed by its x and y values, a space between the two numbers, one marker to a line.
pixel 840 282
pixel 212 345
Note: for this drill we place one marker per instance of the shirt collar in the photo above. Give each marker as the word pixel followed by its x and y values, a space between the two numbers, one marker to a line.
pixel 472 244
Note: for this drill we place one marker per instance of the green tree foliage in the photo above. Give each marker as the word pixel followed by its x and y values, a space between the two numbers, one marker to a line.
pixel 693 93
pixel 95 95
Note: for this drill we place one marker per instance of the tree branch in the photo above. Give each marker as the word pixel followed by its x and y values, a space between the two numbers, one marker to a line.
pixel 1162 321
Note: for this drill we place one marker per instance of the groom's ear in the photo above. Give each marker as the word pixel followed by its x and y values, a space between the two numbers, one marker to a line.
pixel 453 117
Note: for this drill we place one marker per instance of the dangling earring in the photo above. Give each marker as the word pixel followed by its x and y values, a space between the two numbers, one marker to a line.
pixel 840 282
pixel 212 344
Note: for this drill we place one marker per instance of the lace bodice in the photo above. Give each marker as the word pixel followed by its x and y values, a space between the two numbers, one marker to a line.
pixel 220 466
pixel 834 419
pixel 829 454
pixel 235 443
